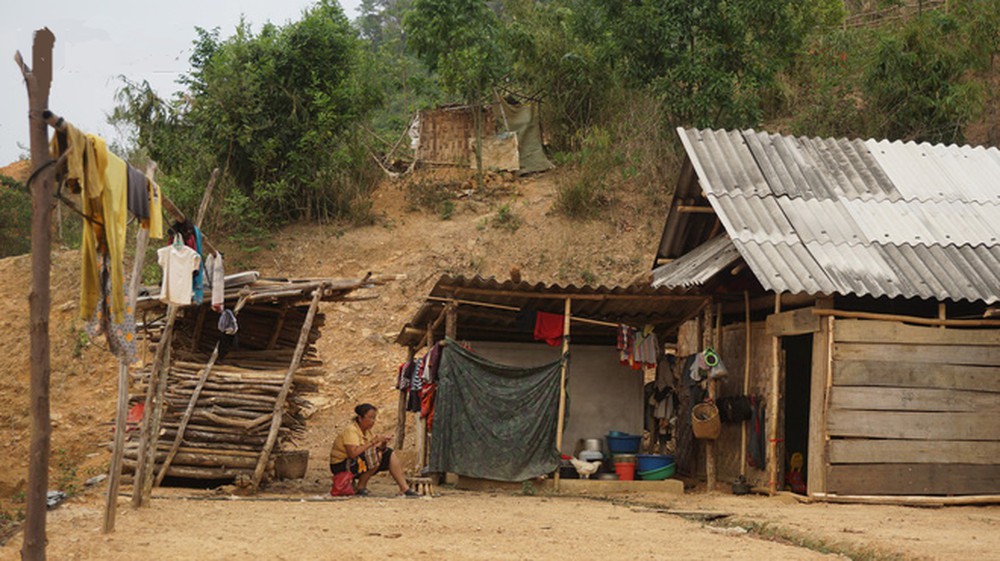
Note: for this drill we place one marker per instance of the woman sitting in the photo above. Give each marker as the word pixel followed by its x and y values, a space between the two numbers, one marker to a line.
pixel 358 454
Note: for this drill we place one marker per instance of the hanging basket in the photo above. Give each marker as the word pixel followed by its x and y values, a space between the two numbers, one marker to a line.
pixel 705 421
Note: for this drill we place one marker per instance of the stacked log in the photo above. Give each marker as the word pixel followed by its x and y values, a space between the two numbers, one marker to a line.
pixel 230 419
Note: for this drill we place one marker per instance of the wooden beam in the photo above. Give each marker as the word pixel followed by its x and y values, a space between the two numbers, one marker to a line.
pixel 516 309
pixel 691 209
pixel 38 80
pixel 773 402
pixel 916 375
pixel 917 501
pixel 910 319
pixel 457 290
pixel 865 331
pixel 279 404
pixel 560 423
pixel 913 425
pixel 819 388
pixel 746 381
pixel 795 322
pixel 401 407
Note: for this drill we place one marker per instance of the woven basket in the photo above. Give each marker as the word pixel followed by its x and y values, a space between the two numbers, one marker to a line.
pixel 705 421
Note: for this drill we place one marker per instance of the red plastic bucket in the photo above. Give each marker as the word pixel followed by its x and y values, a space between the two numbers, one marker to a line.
pixel 625 471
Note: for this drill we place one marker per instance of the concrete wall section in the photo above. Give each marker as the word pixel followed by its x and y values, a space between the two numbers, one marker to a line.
pixel 603 394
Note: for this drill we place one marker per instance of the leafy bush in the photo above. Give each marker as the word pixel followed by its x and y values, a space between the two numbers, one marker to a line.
pixel 15 218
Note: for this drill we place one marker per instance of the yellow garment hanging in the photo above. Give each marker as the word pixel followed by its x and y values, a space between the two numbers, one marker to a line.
pixel 115 201
pixel 155 222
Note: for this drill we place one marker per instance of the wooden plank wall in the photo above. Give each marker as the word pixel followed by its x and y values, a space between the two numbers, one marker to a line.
pixel 733 354
pixel 445 134
pixel 913 410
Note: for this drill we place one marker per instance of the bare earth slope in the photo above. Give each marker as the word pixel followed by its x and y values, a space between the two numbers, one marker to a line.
pixel 292 523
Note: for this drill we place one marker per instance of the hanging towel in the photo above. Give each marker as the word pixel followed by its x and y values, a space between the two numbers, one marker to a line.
pixel 549 328
pixel 155 222
pixel 138 194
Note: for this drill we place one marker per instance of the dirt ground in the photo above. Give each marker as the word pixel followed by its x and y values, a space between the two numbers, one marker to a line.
pixel 474 234
pixel 300 524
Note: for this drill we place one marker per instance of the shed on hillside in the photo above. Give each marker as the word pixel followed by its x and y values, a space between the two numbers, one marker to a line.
pixel 864 270
pixel 512 136
pixel 603 394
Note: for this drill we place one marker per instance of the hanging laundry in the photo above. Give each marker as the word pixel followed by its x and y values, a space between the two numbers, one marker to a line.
pixel 178 262
pixel 119 335
pixel 155 222
pixel 549 328
pixel 217 278
pixel 198 280
pixel 138 194
pixel 229 328
pixel 637 349
pixel 525 320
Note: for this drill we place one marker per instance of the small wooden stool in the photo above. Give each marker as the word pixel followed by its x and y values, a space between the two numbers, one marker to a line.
pixel 422 485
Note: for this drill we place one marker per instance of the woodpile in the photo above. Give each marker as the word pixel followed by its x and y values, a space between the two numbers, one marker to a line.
pixel 228 424
pixel 228 404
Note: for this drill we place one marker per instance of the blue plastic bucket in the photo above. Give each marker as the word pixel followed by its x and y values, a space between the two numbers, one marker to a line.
pixel 623 443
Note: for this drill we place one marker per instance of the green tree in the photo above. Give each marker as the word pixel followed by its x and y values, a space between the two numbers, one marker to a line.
pixel 277 111
pixel 917 82
pixel 461 41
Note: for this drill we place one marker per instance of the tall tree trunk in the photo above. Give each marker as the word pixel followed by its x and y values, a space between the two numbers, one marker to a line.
pixel 480 183
pixel 38 79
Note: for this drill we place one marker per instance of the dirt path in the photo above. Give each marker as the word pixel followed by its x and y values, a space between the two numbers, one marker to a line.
pixel 186 524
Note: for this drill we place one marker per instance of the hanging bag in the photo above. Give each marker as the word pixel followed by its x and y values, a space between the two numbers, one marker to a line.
pixel 705 421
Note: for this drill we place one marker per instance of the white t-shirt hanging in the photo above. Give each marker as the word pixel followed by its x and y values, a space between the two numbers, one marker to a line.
pixel 218 282
pixel 179 263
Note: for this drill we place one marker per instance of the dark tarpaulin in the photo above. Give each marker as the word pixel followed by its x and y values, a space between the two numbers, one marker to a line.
pixel 493 421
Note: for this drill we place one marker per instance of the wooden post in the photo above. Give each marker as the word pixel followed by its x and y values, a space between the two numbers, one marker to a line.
pixel 401 409
pixel 819 392
pixel 708 338
pixel 38 80
pixel 773 401
pixel 562 384
pixel 154 431
pixel 279 404
pixel 942 313
pixel 746 384
pixel 142 468
pixel 121 412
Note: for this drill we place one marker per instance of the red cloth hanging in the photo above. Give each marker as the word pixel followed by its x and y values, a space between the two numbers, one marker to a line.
pixel 549 328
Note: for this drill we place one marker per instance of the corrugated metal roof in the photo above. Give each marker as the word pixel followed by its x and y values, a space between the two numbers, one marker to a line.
pixel 839 216
pixel 698 266
pixel 495 319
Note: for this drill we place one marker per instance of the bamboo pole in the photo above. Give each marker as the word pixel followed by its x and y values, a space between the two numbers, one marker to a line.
pixel 562 384
pixel 708 340
pixel 38 80
pixel 773 402
pixel 279 404
pixel 908 319
pixel 401 408
pixel 561 295
pixel 746 384
pixel 516 309
pixel 121 409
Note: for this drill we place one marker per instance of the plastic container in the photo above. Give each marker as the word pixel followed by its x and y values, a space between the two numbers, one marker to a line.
pixel 623 458
pixel 649 462
pixel 658 474
pixel 591 455
pixel 623 443
pixel 625 471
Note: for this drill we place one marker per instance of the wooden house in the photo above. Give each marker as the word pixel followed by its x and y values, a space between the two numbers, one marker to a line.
pixel 849 282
